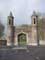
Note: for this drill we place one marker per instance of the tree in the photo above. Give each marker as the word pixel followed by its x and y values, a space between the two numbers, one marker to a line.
pixel 1 29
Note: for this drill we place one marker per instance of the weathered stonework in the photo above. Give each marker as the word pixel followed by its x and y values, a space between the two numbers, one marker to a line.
pixel 30 32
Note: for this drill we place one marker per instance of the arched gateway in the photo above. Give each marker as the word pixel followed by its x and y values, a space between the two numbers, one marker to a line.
pixel 22 35
pixel 22 39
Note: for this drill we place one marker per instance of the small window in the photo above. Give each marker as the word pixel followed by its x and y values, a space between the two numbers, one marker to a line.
pixel 34 20
pixel 9 21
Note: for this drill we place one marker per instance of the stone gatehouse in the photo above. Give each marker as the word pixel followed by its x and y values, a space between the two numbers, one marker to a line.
pixel 21 35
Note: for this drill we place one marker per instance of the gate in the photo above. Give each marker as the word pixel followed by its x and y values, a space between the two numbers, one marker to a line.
pixel 22 39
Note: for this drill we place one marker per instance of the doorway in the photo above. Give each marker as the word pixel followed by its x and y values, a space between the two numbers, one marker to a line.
pixel 22 39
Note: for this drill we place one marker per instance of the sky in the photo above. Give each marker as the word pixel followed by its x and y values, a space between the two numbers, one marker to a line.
pixel 21 9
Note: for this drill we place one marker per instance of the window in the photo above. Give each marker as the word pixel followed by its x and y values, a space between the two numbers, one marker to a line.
pixel 9 21
pixel 34 20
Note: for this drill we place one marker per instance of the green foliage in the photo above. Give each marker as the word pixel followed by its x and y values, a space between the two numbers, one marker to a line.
pixel 1 34
pixel 1 30
pixel 22 39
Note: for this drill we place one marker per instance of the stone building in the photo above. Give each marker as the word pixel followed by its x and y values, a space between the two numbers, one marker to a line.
pixel 22 35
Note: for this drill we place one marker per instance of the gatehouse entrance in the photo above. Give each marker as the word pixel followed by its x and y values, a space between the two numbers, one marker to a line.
pixel 22 39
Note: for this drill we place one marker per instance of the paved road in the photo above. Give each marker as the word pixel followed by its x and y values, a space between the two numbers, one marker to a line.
pixel 31 53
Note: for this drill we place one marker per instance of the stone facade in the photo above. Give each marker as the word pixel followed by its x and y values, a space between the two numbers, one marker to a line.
pixel 15 34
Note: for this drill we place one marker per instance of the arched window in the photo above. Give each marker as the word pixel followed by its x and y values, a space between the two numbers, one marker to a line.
pixel 9 21
pixel 34 20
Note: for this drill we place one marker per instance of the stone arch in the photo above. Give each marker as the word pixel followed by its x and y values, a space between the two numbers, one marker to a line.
pixel 22 38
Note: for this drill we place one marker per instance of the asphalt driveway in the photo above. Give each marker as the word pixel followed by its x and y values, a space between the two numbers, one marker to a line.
pixel 31 53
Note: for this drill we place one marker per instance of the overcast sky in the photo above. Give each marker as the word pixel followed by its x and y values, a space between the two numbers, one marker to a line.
pixel 21 9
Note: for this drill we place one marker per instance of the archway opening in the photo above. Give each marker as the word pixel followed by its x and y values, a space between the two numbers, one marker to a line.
pixel 22 39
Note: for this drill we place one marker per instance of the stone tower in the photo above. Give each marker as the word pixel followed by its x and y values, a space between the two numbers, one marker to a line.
pixel 34 18
pixel 10 30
